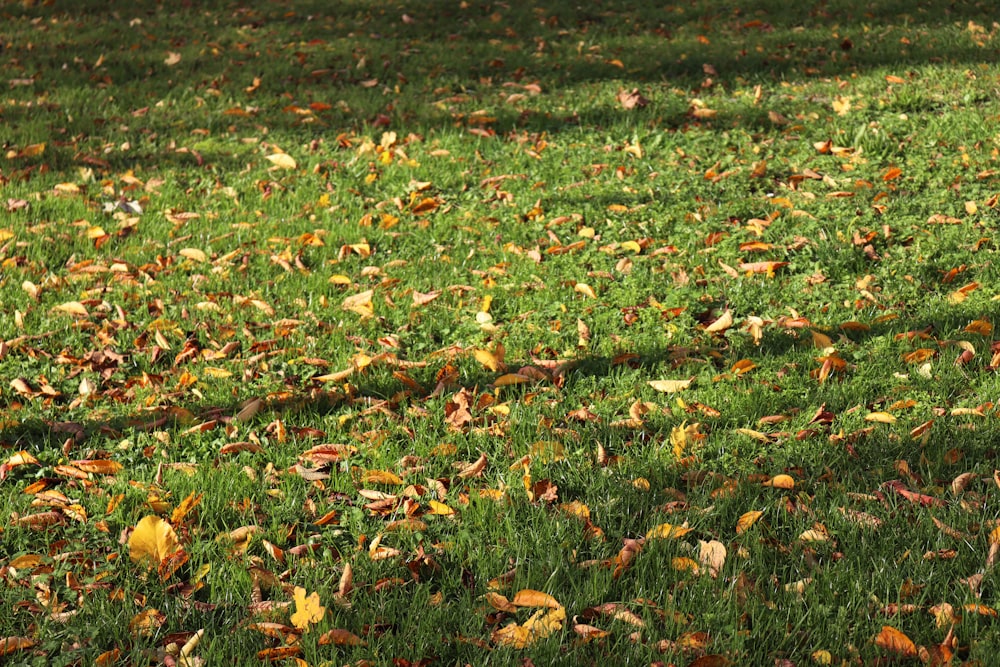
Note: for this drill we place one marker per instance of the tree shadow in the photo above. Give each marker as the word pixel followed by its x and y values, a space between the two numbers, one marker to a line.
pixel 135 72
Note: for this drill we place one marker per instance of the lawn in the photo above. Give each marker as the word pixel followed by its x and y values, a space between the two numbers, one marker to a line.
pixel 415 332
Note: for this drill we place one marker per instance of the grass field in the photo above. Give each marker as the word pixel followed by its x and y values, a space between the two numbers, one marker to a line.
pixel 413 333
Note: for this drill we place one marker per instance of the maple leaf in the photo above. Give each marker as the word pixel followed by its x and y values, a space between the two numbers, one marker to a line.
pixel 308 610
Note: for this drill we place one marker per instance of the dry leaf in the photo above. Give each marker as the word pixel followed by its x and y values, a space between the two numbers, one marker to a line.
pixel 533 598
pixel 894 641
pixel 282 160
pixel 746 520
pixel 152 540
pixel 308 610
pixel 669 386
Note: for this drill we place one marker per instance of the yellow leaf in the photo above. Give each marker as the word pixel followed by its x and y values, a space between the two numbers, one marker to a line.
pixel 513 635
pixel 880 417
pixel 381 477
pixel 724 322
pixel 511 378
pixel 308 610
pixel 585 289
pixel 193 254
pixel 533 598
pixel 282 160
pixel 73 308
pixel 440 508
pixel 67 188
pixel 820 341
pixel 544 623
pixel 746 520
pixel 152 540
pixel 669 386
pixel 667 530
pixel 488 359
pixel 684 564
pixel 33 150
pixel 360 303
pixel 678 439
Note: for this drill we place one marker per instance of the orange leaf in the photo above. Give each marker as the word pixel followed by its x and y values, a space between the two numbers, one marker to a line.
pixel 98 466
pixel 894 641
pixel 425 205
pixel 781 482
pixel 892 174
pixel 533 598
pixel 981 327
pixel 9 645
pixel 919 356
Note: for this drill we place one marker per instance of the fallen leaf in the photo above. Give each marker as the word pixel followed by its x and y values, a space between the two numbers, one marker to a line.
pixel 746 520
pixel 282 160
pixel 669 386
pixel 894 641
pixel 152 540
pixel 308 610
pixel 533 598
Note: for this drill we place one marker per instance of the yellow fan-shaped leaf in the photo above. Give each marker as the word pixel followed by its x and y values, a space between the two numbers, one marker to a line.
pixel 152 540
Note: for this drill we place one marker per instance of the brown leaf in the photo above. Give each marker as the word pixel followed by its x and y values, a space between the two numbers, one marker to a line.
pixel 475 469
pixel 631 99
pixel 339 637
pixel 9 645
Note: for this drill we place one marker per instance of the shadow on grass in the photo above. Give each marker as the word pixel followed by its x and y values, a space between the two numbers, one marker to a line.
pixel 90 76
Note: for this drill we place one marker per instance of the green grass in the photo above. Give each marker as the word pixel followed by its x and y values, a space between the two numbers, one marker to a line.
pixel 195 195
